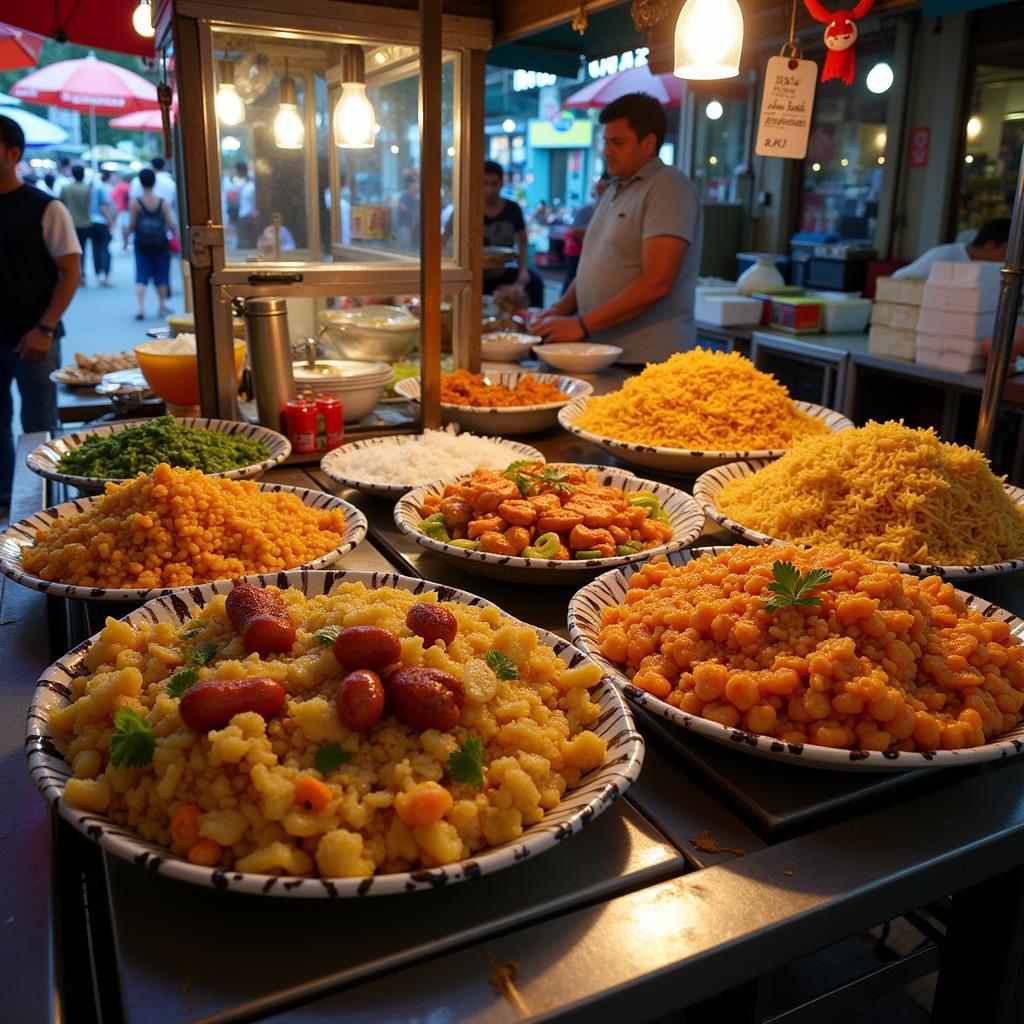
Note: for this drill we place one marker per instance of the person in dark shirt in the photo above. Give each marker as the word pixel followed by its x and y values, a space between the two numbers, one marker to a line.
pixel 40 270
pixel 504 226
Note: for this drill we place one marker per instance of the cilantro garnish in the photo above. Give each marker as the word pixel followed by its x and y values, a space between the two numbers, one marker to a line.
pixel 132 744
pixel 201 655
pixel 501 665
pixel 191 634
pixel 789 587
pixel 556 478
pixel 467 763
pixel 326 635
pixel 330 758
pixel 181 681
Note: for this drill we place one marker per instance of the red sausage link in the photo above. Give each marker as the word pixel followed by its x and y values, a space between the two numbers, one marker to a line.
pixel 360 700
pixel 426 698
pixel 432 622
pixel 211 705
pixel 370 647
pixel 260 618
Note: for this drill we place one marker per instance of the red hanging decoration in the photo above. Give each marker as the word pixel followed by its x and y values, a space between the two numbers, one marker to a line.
pixel 840 36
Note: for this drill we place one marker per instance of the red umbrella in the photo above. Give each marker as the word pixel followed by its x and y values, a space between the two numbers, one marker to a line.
pixel 141 121
pixel 665 88
pixel 18 49
pixel 88 85
pixel 103 23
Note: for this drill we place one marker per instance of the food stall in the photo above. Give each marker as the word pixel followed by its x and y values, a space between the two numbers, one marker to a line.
pixel 554 759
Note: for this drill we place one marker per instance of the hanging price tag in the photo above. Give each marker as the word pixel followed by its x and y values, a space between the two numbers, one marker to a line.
pixel 786 104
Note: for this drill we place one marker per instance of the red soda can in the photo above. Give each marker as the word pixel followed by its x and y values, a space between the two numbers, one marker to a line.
pixel 300 423
pixel 330 422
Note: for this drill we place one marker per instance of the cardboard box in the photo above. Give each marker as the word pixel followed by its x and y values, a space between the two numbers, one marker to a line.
pixel 958 355
pixel 801 316
pixel 895 315
pixel 891 342
pixel 960 300
pixel 951 324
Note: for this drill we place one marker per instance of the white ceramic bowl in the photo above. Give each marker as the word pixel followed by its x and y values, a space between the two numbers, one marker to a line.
pixel 371 332
pixel 396 445
pixel 510 420
pixel 22 534
pixel 682 510
pixel 578 356
pixel 597 789
pixel 709 485
pixel 44 460
pixel 680 460
pixel 359 385
pixel 506 346
pixel 585 623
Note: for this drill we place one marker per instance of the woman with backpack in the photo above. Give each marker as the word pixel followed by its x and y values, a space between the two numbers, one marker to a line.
pixel 150 223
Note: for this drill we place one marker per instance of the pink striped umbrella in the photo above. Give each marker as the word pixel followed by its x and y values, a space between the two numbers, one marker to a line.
pixel 88 85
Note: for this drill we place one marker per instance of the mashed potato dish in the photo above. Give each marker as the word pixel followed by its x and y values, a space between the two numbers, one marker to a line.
pixel 338 735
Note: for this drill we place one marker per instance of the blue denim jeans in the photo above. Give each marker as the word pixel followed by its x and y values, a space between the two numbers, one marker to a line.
pixel 38 403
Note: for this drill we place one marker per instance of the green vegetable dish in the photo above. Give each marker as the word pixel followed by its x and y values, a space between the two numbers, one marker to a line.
pixel 141 448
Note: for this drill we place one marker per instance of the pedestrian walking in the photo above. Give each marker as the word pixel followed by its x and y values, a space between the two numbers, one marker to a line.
pixel 150 222
pixel 76 196
pixel 101 214
pixel 40 268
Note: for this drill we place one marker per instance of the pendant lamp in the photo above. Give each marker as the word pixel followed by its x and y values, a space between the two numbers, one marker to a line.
pixel 289 130
pixel 709 38
pixel 353 117
pixel 228 104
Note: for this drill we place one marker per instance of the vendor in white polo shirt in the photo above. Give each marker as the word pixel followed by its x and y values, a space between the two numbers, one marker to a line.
pixel 634 286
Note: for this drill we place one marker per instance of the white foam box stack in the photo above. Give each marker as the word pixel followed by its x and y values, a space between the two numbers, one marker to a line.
pixel 956 315
pixel 894 318
pixel 727 310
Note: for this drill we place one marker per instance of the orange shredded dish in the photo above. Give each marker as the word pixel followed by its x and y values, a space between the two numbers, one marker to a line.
pixel 465 388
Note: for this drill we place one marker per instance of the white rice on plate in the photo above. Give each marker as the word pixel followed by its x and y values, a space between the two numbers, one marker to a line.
pixel 433 455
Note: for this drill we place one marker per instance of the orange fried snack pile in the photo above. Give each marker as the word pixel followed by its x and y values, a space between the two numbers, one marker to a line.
pixel 178 527
pixel 885 662
pixel 465 388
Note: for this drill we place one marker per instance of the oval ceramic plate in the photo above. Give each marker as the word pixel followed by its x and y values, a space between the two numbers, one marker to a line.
pixel 709 485
pixel 333 463
pixel 75 380
pixel 22 534
pixel 598 788
pixel 610 589
pixel 45 459
pixel 683 512
pixel 680 460
pixel 517 419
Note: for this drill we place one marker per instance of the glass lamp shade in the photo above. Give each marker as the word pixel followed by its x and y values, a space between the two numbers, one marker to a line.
pixel 289 130
pixel 354 118
pixel 142 19
pixel 228 104
pixel 709 38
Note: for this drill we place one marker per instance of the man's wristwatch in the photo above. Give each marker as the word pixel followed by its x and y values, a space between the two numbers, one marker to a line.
pixel 46 329
pixel 583 327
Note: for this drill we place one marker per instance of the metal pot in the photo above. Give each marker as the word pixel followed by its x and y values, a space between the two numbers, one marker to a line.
pixel 373 332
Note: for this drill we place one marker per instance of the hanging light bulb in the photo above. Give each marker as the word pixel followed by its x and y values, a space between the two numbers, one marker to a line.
pixel 879 78
pixel 228 104
pixel 973 126
pixel 709 38
pixel 142 19
pixel 353 120
pixel 289 130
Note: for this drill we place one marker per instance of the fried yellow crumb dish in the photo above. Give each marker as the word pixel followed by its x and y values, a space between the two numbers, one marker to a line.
pixel 179 527
pixel 818 646
pixel 359 732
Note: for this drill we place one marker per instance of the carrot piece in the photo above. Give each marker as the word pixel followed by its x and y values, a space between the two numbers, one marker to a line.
pixel 206 853
pixel 311 793
pixel 185 824
pixel 424 805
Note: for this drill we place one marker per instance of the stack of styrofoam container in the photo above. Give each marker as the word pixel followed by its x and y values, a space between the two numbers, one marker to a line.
pixel 894 317
pixel 956 315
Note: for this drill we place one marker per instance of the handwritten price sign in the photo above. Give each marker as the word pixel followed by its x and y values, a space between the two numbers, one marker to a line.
pixel 786 105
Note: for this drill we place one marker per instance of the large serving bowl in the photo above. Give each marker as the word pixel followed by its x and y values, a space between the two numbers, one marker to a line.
pixel 506 346
pixel 598 788
pixel 358 384
pixel 709 486
pixel 682 460
pixel 22 534
pixel 683 513
pixel 509 420
pixel 174 376
pixel 578 356
pixel 45 459
pixel 387 333
pixel 585 622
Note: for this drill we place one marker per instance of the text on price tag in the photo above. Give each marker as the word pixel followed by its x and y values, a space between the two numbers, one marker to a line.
pixel 786 105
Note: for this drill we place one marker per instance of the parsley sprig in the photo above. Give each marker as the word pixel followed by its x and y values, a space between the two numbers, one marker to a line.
pixel 133 743
pixel 467 763
pixel 531 482
pixel 790 587
pixel 191 634
pixel 501 665
pixel 330 758
pixel 181 681
pixel 202 655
